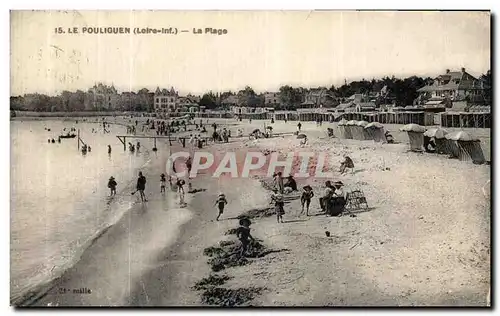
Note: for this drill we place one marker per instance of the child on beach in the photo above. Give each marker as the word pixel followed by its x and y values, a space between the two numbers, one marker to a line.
pixel 243 234
pixel 163 182
pixel 180 189
pixel 277 198
pixel 220 202
pixel 305 199
pixel 112 186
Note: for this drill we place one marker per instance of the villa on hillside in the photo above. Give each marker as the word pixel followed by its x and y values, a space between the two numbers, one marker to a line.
pixel 453 89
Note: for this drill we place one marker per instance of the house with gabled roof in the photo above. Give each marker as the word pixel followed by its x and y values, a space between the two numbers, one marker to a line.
pixel 451 87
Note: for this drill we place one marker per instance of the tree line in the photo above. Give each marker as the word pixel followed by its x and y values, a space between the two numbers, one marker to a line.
pixel 387 90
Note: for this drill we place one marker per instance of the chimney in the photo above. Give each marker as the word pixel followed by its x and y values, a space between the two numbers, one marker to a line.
pixel 463 69
pixel 447 71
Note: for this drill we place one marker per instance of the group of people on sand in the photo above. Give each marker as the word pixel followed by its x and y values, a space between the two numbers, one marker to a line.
pixel 332 201
pixel 140 186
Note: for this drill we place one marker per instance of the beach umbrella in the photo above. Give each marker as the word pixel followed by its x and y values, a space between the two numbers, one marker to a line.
pixel 300 136
pixel 461 135
pixel 352 122
pixel 374 125
pixel 362 123
pixel 413 128
pixel 436 132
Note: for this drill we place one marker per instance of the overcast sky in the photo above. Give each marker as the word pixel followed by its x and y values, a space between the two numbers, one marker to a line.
pixel 264 49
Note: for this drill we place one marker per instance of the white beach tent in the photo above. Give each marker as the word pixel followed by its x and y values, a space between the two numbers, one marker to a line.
pixel 415 135
pixel 353 128
pixel 348 129
pixel 465 147
pixel 438 134
pixel 376 131
pixel 364 133
pixel 341 128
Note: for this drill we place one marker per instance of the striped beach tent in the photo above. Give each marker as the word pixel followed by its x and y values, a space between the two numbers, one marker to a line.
pixel 415 135
pixel 438 134
pixel 365 133
pixel 341 127
pixel 376 132
pixel 355 130
pixel 465 147
pixel 349 130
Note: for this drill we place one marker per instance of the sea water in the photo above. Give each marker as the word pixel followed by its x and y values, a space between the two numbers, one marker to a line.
pixel 59 197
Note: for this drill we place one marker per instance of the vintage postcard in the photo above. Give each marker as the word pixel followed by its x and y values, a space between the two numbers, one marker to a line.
pixel 250 158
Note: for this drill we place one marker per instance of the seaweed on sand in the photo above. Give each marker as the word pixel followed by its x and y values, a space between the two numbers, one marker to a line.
pixel 258 212
pixel 231 231
pixel 229 297
pixel 228 254
pixel 211 281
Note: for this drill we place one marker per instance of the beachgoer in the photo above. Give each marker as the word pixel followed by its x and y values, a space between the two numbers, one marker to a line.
pixel 112 186
pixel 163 182
pixel 278 182
pixel 303 141
pixel 188 164
pixel 290 185
pixel 243 234
pixel 305 199
pixel 346 164
pixel 325 200
pixel 109 149
pixel 90 149
pixel 338 199
pixel 180 189
pixel 299 126
pixel 141 186
pixel 277 199
pixel 138 146
pixel 220 203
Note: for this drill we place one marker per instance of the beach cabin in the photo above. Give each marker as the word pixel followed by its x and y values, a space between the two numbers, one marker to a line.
pixel 415 135
pixel 465 147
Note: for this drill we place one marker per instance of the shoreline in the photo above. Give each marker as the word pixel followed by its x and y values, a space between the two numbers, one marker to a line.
pixel 46 293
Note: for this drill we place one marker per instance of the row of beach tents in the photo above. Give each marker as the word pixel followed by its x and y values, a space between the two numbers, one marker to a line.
pixel 460 144
pixel 362 130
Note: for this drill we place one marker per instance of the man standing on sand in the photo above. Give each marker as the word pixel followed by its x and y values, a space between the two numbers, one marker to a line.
pixel 141 186
pixel 299 126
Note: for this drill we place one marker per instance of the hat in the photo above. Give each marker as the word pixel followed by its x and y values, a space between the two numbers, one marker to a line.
pixel 328 182
pixel 290 176
pixel 221 194
pixel 111 178
pixel 338 183
pixel 307 187
pixel 245 220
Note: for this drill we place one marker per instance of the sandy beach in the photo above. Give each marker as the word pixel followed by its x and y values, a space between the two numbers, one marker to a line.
pixel 423 241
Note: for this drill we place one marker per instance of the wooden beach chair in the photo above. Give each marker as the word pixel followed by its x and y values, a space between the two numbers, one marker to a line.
pixel 355 200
